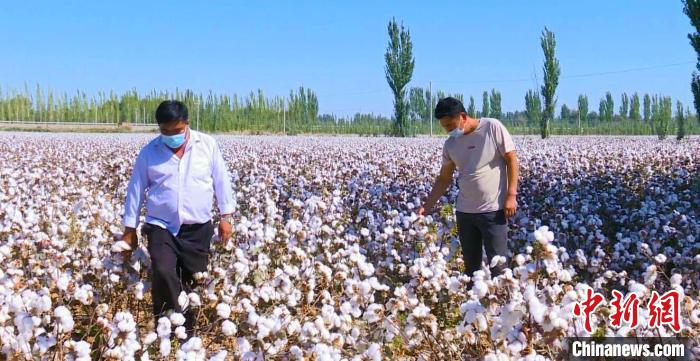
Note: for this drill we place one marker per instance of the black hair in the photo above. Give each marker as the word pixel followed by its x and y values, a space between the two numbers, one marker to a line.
pixel 171 111
pixel 449 107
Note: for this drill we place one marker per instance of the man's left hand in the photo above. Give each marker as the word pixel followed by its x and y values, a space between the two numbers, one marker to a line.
pixel 224 230
pixel 510 206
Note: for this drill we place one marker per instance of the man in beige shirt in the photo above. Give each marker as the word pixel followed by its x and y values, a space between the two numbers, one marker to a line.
pixel 483 153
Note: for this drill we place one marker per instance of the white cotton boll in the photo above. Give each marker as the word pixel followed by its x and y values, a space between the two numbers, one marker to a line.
pixel 102 309
pixel 243 345
pixel 114 278
pixel 177 319
pixel 519 259
pixel 180 332
pixel 497 260
pixel 138 290
pixel 373 352
pixel 293 327
pixel 537 309
pixel 650 275
pixel 125 322
pixel 164 327
pixel 676 279
pixel 421 311
pixel 228 328
pixel 695 317
pixel 223 310
pixel 83 294
pixel 661 258
pixel 219 356
pixel 549 236
pixel 65 319
pixel 183 300
pixel 497 356
pixel 44 343
pixel 82 349
pixel 564 275
pixel 373 313
pixel 263 328
pixel 15 303
pixel 297 352
pixel 62 282
pixel 364 232
pixel 165 347
pixel 43 304
pixel 480 288
pixel 194 299
pixel 544 235
pixel 120 246
pixel 252 318
pixel 150 338
pixel 638 288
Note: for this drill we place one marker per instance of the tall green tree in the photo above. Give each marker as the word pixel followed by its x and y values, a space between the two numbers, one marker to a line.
pixel 565 113
pixel 485 109
pixel 551 72
pixel 647 108
pixel 624 106
pixel 634 108
pixel 418 107
pixel 680 120
pixel 399 71
pixel 603 109
pixel 533 107
pixel 495 104
pixel 692 9
pixel 471 110
pixel 662 113
pixel 610 107
pixel 583 107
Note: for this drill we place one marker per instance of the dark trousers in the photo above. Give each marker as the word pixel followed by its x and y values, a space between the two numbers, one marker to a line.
pixel 174 261
pixel 488 230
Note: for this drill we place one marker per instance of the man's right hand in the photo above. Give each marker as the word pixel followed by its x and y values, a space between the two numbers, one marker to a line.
pixel 131 239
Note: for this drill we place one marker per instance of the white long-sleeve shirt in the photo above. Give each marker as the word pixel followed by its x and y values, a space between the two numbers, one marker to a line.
pixel 179 191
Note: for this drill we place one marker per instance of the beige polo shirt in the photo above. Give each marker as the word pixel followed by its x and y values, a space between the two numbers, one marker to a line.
pixel 479 159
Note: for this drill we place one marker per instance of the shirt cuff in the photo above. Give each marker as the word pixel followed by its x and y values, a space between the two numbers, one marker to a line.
pixel 228 208
pixel 130 221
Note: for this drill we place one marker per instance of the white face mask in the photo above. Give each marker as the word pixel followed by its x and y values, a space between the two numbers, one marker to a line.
pixel 456 132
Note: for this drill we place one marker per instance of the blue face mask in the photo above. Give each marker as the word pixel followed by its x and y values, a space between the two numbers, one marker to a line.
pixel 173 141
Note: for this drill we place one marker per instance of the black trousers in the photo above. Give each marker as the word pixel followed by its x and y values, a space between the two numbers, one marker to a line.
pixel 174 261
pixel 482 230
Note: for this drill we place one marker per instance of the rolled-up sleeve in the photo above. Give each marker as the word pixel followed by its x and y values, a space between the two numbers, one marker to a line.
pixel 135 192
pixel 222 183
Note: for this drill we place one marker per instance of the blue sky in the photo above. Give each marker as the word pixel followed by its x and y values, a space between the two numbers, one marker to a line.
pixel 337 48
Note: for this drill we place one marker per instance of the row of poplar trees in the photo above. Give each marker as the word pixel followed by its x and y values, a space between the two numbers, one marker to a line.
pixel 210 112
pixel 420 101
pixel 540 104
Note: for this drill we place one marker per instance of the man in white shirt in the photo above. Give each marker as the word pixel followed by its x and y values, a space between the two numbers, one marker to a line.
pixel 177 174
pixel 483 153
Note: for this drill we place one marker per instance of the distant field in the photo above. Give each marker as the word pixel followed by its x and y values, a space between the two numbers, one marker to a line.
pixel 73 127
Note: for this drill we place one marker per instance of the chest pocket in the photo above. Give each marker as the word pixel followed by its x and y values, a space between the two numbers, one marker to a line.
pixel 200 169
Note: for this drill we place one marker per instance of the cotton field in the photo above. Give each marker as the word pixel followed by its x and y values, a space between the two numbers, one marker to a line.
pixel 328 260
